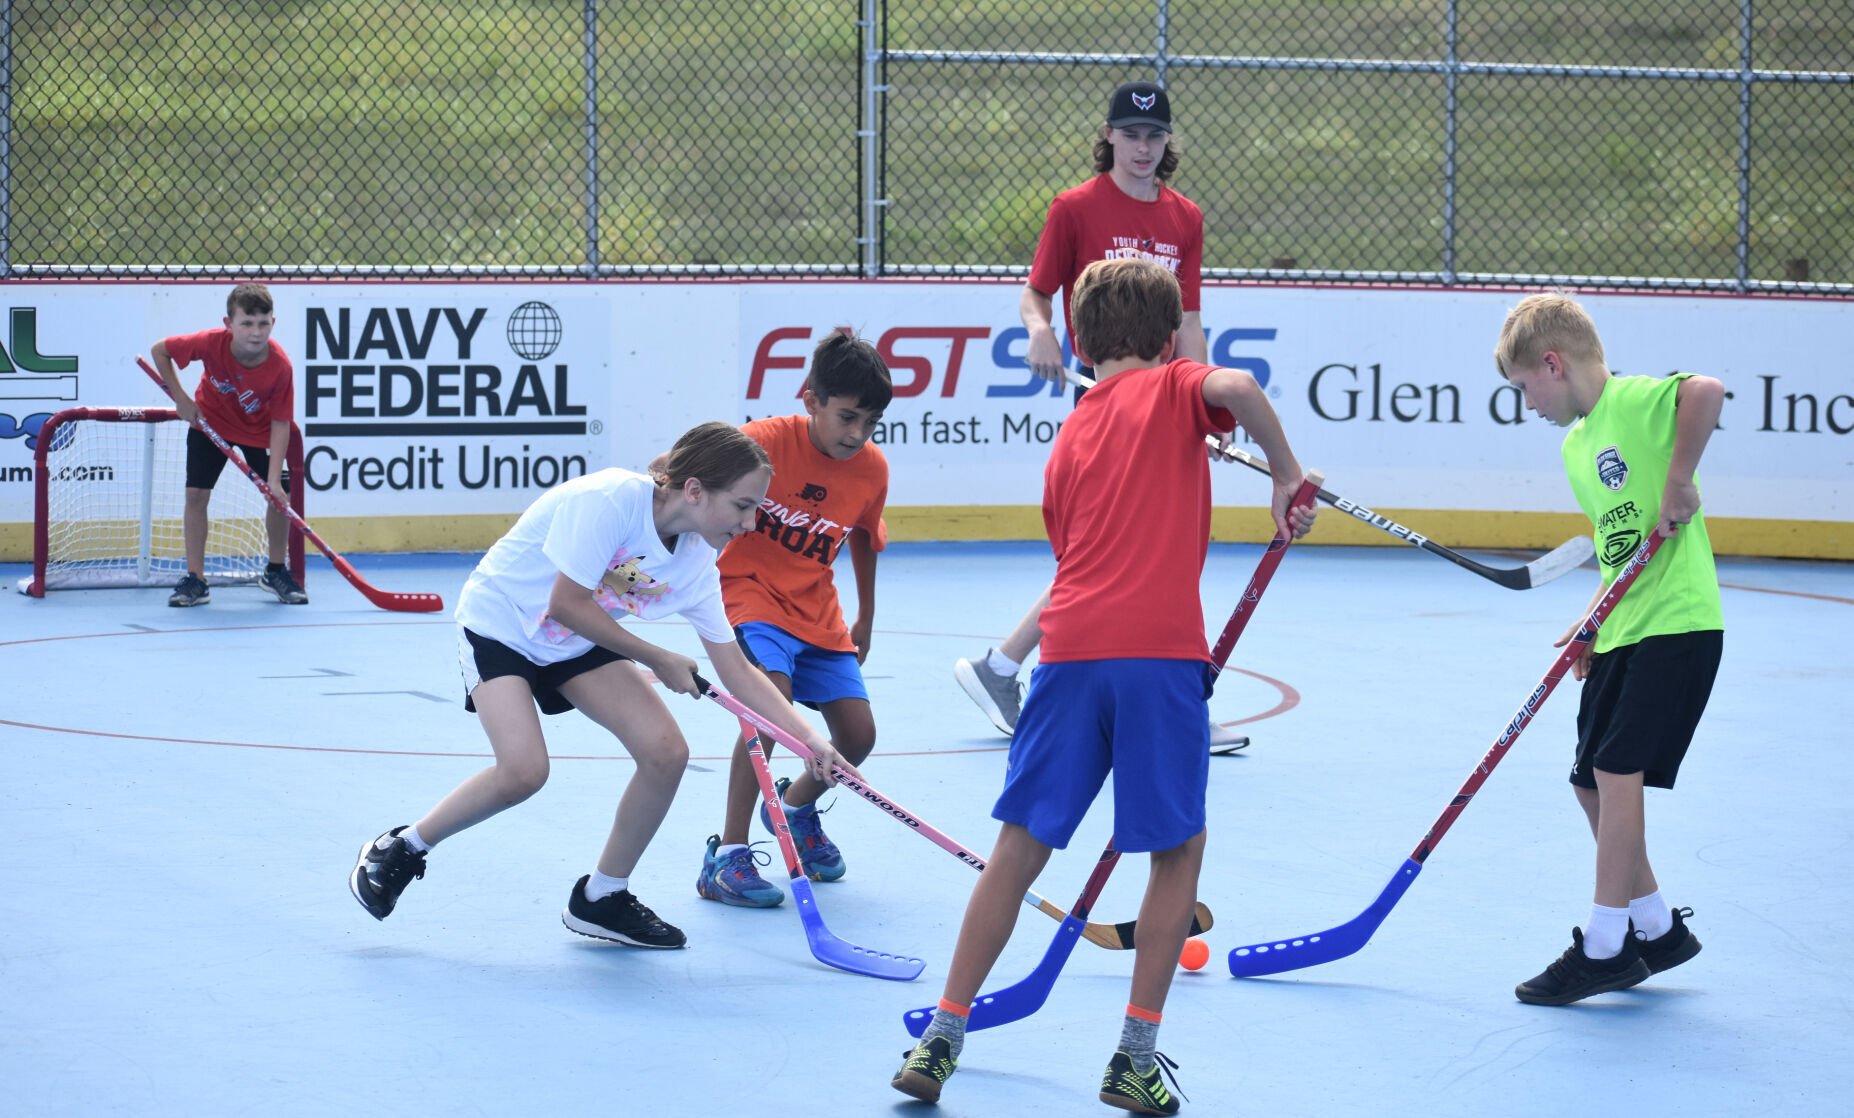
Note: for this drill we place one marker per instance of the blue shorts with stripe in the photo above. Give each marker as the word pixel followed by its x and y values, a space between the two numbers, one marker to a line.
pixel 818 675
pixel 1146 721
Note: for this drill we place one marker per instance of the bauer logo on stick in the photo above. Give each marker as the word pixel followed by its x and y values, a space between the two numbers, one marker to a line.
pixel 1611 469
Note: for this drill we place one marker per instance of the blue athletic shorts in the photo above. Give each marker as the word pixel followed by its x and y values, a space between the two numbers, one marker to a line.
pixel 1146 721
pixel 818 675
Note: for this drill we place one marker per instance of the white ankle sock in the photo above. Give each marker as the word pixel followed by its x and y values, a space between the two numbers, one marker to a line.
pixel 1652 917
pixel 599 886
pixel 727 848
pixel 1002 664
pixel 1604 932
pixel 415 840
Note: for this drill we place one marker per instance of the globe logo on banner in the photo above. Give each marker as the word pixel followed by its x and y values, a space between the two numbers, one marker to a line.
pixel 534 331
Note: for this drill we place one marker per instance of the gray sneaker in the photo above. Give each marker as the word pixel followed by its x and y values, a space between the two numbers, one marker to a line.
pixel 189 591
pixel 279 582
pixel 999 696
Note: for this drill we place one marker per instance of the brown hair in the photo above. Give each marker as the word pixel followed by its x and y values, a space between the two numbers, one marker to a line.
pixel 716 454
pixel 251 298
pixel 1550 320
pixel 1104 155
pixel 1125 308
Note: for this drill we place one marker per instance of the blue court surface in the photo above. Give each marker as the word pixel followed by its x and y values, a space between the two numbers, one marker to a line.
pixel 185 793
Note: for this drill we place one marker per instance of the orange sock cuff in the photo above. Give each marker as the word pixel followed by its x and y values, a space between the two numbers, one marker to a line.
pixel 1139 1014
pixel 954 1008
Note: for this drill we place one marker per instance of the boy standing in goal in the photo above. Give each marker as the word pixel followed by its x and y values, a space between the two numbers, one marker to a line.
pixel 247 392
pixel 1126 672
pixel 1631 453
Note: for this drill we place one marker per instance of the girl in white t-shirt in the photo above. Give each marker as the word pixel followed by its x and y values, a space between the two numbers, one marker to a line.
pixel 537 627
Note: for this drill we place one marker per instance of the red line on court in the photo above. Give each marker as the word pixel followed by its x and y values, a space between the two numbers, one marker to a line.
pixel 1787 593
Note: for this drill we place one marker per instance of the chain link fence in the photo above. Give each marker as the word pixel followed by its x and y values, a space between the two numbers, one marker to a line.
pixel 1701 144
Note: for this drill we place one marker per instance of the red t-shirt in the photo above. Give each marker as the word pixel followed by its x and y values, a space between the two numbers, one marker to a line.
pixel 780 573
pixel 238 402
pixel 1099 221
pixel 1126 501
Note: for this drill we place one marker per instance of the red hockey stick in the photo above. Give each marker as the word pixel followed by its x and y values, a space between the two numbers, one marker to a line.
pixel 385 599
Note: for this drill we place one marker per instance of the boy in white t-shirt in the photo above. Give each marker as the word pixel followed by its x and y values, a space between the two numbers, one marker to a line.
pixel 538 626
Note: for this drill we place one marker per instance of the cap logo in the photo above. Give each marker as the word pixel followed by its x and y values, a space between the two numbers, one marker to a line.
pixel 1144 103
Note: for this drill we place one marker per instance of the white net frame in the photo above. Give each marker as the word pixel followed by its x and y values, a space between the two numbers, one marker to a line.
pixel 109 495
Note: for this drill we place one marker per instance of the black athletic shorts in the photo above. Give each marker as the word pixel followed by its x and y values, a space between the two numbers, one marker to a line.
pixel 481 658
pixel 1641 704
pixel 205 461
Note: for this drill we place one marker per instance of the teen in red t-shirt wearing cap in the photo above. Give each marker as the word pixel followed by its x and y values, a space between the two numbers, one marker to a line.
pixel 1126 210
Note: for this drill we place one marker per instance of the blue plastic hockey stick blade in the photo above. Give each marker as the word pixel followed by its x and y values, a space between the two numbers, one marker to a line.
pixel 828 949
pixel 1016 1002
pixel 1278 955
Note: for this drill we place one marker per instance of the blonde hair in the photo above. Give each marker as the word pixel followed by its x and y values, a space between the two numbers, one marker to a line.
pixel 1125 308
pixel 715 453
pixel 1550 320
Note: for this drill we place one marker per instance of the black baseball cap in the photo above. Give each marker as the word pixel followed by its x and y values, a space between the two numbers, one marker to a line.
pixel 1140 103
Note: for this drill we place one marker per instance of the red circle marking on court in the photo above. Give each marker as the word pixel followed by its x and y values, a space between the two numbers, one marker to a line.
pixel 1290 698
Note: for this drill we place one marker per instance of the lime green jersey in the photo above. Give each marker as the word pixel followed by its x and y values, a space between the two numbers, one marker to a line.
pixel 1617 459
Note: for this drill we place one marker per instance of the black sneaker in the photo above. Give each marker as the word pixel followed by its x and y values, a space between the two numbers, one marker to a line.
pixel 1142 1094
pixel 280 582
pixel 928 1066
pixel 1574 976
pixel 189 591
pixel 1674 947
pixel 386 866
pixel 619 917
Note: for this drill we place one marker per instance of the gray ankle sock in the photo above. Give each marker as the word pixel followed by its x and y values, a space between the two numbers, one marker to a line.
pixel 1139 1039
pixel 949 1025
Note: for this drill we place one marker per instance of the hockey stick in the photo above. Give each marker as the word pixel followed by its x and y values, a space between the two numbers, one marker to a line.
pixel 385 599
pixel 1275 956
pixel 1026 996
pixel 1561 560
pixel 1114 937
pixel 826 947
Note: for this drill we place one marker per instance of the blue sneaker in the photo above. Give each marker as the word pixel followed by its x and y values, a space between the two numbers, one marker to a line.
pixel 819 856
pixel 734 878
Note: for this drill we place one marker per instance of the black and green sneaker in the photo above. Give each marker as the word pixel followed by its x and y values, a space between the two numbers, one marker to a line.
pixel 1142 1094
pixel 927 1068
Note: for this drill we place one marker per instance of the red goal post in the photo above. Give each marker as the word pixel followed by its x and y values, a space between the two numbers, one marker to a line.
pixel 108 494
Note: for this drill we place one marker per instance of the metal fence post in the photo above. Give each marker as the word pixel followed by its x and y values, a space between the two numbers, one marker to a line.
pixel 1451 78
pixel 1744 146
pixel 1163 12
pixel 869 138
pixel 592 137
pixel 6 138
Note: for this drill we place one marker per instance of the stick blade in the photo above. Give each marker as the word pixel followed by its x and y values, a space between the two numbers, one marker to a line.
pixel 1276 956
pixel 834 951
pixel 1018 1000
pixel 1559 561
pixel 1122 936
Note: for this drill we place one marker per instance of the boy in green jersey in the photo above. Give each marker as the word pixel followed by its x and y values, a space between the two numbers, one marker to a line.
pixel 1631 452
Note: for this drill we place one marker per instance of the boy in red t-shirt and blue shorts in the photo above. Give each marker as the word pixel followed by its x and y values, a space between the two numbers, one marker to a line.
pixel 1126 672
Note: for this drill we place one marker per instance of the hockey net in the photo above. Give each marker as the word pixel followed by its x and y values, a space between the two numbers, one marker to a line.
pixel 109 490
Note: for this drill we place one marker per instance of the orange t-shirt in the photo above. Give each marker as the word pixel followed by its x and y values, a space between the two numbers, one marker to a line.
pixel 780 573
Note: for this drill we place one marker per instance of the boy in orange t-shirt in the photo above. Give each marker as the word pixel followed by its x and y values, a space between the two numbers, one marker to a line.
pixel 828 488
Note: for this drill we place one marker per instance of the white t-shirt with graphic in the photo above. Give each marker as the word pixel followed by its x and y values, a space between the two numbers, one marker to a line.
pixel 599 531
